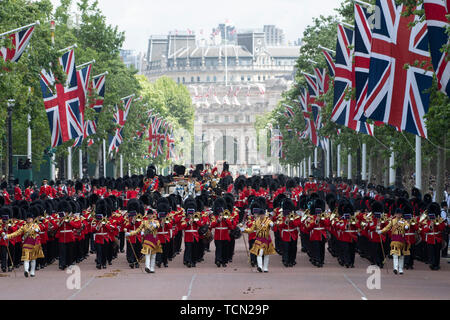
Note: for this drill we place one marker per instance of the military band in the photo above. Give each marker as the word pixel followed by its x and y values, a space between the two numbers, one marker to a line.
pixel 149 217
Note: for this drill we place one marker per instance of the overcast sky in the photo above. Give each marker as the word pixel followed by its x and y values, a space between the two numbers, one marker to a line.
pixel 142 18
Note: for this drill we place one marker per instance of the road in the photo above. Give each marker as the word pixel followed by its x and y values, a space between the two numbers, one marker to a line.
pixel 237 282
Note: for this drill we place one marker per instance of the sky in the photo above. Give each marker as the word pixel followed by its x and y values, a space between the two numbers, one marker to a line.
pixel 142 18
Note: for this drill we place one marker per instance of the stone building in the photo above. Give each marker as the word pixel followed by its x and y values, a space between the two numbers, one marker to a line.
pixel 230 85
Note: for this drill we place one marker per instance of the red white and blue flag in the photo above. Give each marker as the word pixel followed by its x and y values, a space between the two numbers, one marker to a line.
pixel 19 41
pixel 62 102
pixel 277 144
pixel 436 13
pixel 330 62
pixel 83 78
pixel 344 110
pixel 397 94
pixel 289 111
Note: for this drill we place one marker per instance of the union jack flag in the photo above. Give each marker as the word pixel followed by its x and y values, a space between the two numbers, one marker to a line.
pixel 289 111
pixel 19 41
pixel 120 116
pixel 396 95
pixel 83 77
pixel 435 13
pixel 313 102
pixel 322 80
pixel 115 141
pixel 62 102
pixel 330 63
pixel 344 110
pixel 310 126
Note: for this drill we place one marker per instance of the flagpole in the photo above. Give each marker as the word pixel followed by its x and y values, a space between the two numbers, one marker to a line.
pixel 121 166
pixel 315 158
pixel 68 48
pixel 364 162
pixel 19 29
pixel 309 166
pixel 85 64
pixel 328 158
pixel 391 169
pixel 349 173
pixel 338 154
pixel 101 74
pixel 418 162
pixel 52 163
pixel 326 49
pixel 80 162
pixel 29 138
pixel 69 163
pixel 104 158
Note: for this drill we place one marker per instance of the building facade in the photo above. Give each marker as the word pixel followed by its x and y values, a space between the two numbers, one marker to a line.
pixel 230 86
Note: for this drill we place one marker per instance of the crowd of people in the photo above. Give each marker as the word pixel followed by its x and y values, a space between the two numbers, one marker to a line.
pixel 150 216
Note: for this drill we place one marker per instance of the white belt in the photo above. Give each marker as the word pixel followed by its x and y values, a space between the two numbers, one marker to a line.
pixel 222 228
pixel 64 231
pixel 432 233
pixel 351 230
pixel 288 230
pixel 409 234
pixel 319 228
pixel 163 232
pixel 101 234
pixel 190 230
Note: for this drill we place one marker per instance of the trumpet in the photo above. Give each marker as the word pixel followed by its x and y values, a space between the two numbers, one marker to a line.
pixel 104 220
pixel 424 216
pixel 292 216
pixel 323 216
pixel 225 214
pixel 139 217
pixel 280 220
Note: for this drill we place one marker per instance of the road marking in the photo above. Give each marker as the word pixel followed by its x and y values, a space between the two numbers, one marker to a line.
pixel 363 296
pixel 76 293
pixel 190 288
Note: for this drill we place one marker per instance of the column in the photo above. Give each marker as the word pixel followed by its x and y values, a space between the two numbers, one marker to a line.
pixel 349 172
pixel 338 160
pixel 80 162
pixel 391 168
pixel 418 163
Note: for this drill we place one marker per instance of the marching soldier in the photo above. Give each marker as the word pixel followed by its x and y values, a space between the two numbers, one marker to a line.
pixel 263 246
pixel 131 224
pixel 222 224
pixel 317 227
pixel 287 225
pixel 32 249
pixel 432 226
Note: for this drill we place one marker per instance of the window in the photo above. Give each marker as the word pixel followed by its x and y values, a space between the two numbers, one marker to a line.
pixel 192 79
pixel 247 118
pixel 198 79
pixel 216 119
pixel 264 78
pixel 215 79
pixel 259 78
pixel 242 78
pixel 205 119
pixel 178 80
pixel 248 78
pixel 226 119
pixel 208 79
pixel 236 119
pixel 184 80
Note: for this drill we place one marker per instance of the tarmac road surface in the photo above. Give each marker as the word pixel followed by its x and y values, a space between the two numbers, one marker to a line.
pixel 236 282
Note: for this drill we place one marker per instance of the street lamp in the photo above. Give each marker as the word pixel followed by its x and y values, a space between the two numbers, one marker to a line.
pixel 11 104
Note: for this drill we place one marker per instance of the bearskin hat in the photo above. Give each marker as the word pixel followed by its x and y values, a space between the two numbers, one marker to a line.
pixel 101 208
pixel 434 208
pixel 218 206
pixel 278 200
pixel 6 213
pixel 377 206
pixel 287 206
pixel 64 206
pixel 133 206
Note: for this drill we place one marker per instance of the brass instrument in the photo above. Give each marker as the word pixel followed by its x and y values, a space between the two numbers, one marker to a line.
pixel 139 217
pixel 353 220
pixel 104 220
pixel 292 216
pixel 439 220
pixel 305 215
pixel 323 216
pixel 423 216
pixel 280 220
pixel 196 217
pixel 226 214
pixel 167 220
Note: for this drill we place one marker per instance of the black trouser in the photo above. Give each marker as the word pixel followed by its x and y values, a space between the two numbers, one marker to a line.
pixel 170 249
pixel 121 240
pixel 348 253
pixel 409 260
pixel 289 249
pixel 100 250
pixel 434 254
pixel 191 253
pixel 131 256
pixel 49 255
pixel 363 243
pixel 163 257
pixel 109 251
pixel 64 255
pixel 92 242
pixel 318 251
pixel 17 255
pixel 445 238
pixel 305 243
pixel 278 245
pixel 252 256
pixel 376 253
pixel 221 250
pixel 231 249
pixel 41 261
pixel 201 249
pixel 4 256
pixel 178 242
